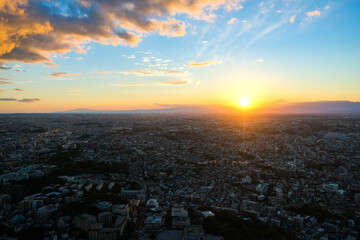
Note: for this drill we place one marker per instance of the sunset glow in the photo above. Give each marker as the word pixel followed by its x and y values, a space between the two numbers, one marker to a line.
pixel 120 55
pixel 244 102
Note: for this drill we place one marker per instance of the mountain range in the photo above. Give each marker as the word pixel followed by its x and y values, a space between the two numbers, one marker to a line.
pixel 278 107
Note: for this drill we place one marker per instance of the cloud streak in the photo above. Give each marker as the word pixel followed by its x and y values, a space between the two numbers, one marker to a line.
pixel 260 60
pixel 29 100
pixel 204 64
pixel 154 72
pixel 63 74
pixel 24 100
pixel 162 83
pixel 4 81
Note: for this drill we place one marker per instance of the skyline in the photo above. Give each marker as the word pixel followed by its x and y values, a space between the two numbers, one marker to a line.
pixel 54 55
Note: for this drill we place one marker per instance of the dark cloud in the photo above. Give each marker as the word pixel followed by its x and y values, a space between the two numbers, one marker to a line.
pixel 8 99
pixel 32 30
pixel 28 100
pixel 19 89
pixel 24 100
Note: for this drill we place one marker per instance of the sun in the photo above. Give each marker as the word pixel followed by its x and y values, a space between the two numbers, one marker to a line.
pixel 244 102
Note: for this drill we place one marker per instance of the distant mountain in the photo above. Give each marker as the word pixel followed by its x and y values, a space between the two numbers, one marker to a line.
pixel 319 107
pixel 278 107
pixel 169 109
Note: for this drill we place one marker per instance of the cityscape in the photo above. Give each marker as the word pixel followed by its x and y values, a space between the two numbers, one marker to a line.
pixel 179 120
pixel 153 176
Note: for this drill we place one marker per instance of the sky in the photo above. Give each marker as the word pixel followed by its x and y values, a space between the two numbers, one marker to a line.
pixel 145 54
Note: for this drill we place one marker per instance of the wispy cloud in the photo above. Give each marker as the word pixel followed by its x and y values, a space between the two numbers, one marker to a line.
pixel 104 72
pixel 204 64
pixel 169 82
pixel 154 72
pixel 260 60
pixel 19 89
pixel 74 74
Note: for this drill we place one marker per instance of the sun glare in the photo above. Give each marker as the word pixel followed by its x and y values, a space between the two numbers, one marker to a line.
pixel 244 102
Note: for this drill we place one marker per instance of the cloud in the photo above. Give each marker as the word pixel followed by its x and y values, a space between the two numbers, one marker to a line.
pixel 175 82
pixel 169 82
pixel 204 64
pixel 313 13
pixel 1 90
pixel 4 81
pixel 234 5
pixel 104 72
pixel 327 7
pixel 79 58
pixel 292 19
pixel 24 100
pixel 154 72
pixel 29 100
pixel 19 89
pixel 75 74
pixel 33 31
pixel 4 67
pixel 62 74
pixel 8 99
pixel 58 74
pixel 260 60
pixel 232 21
